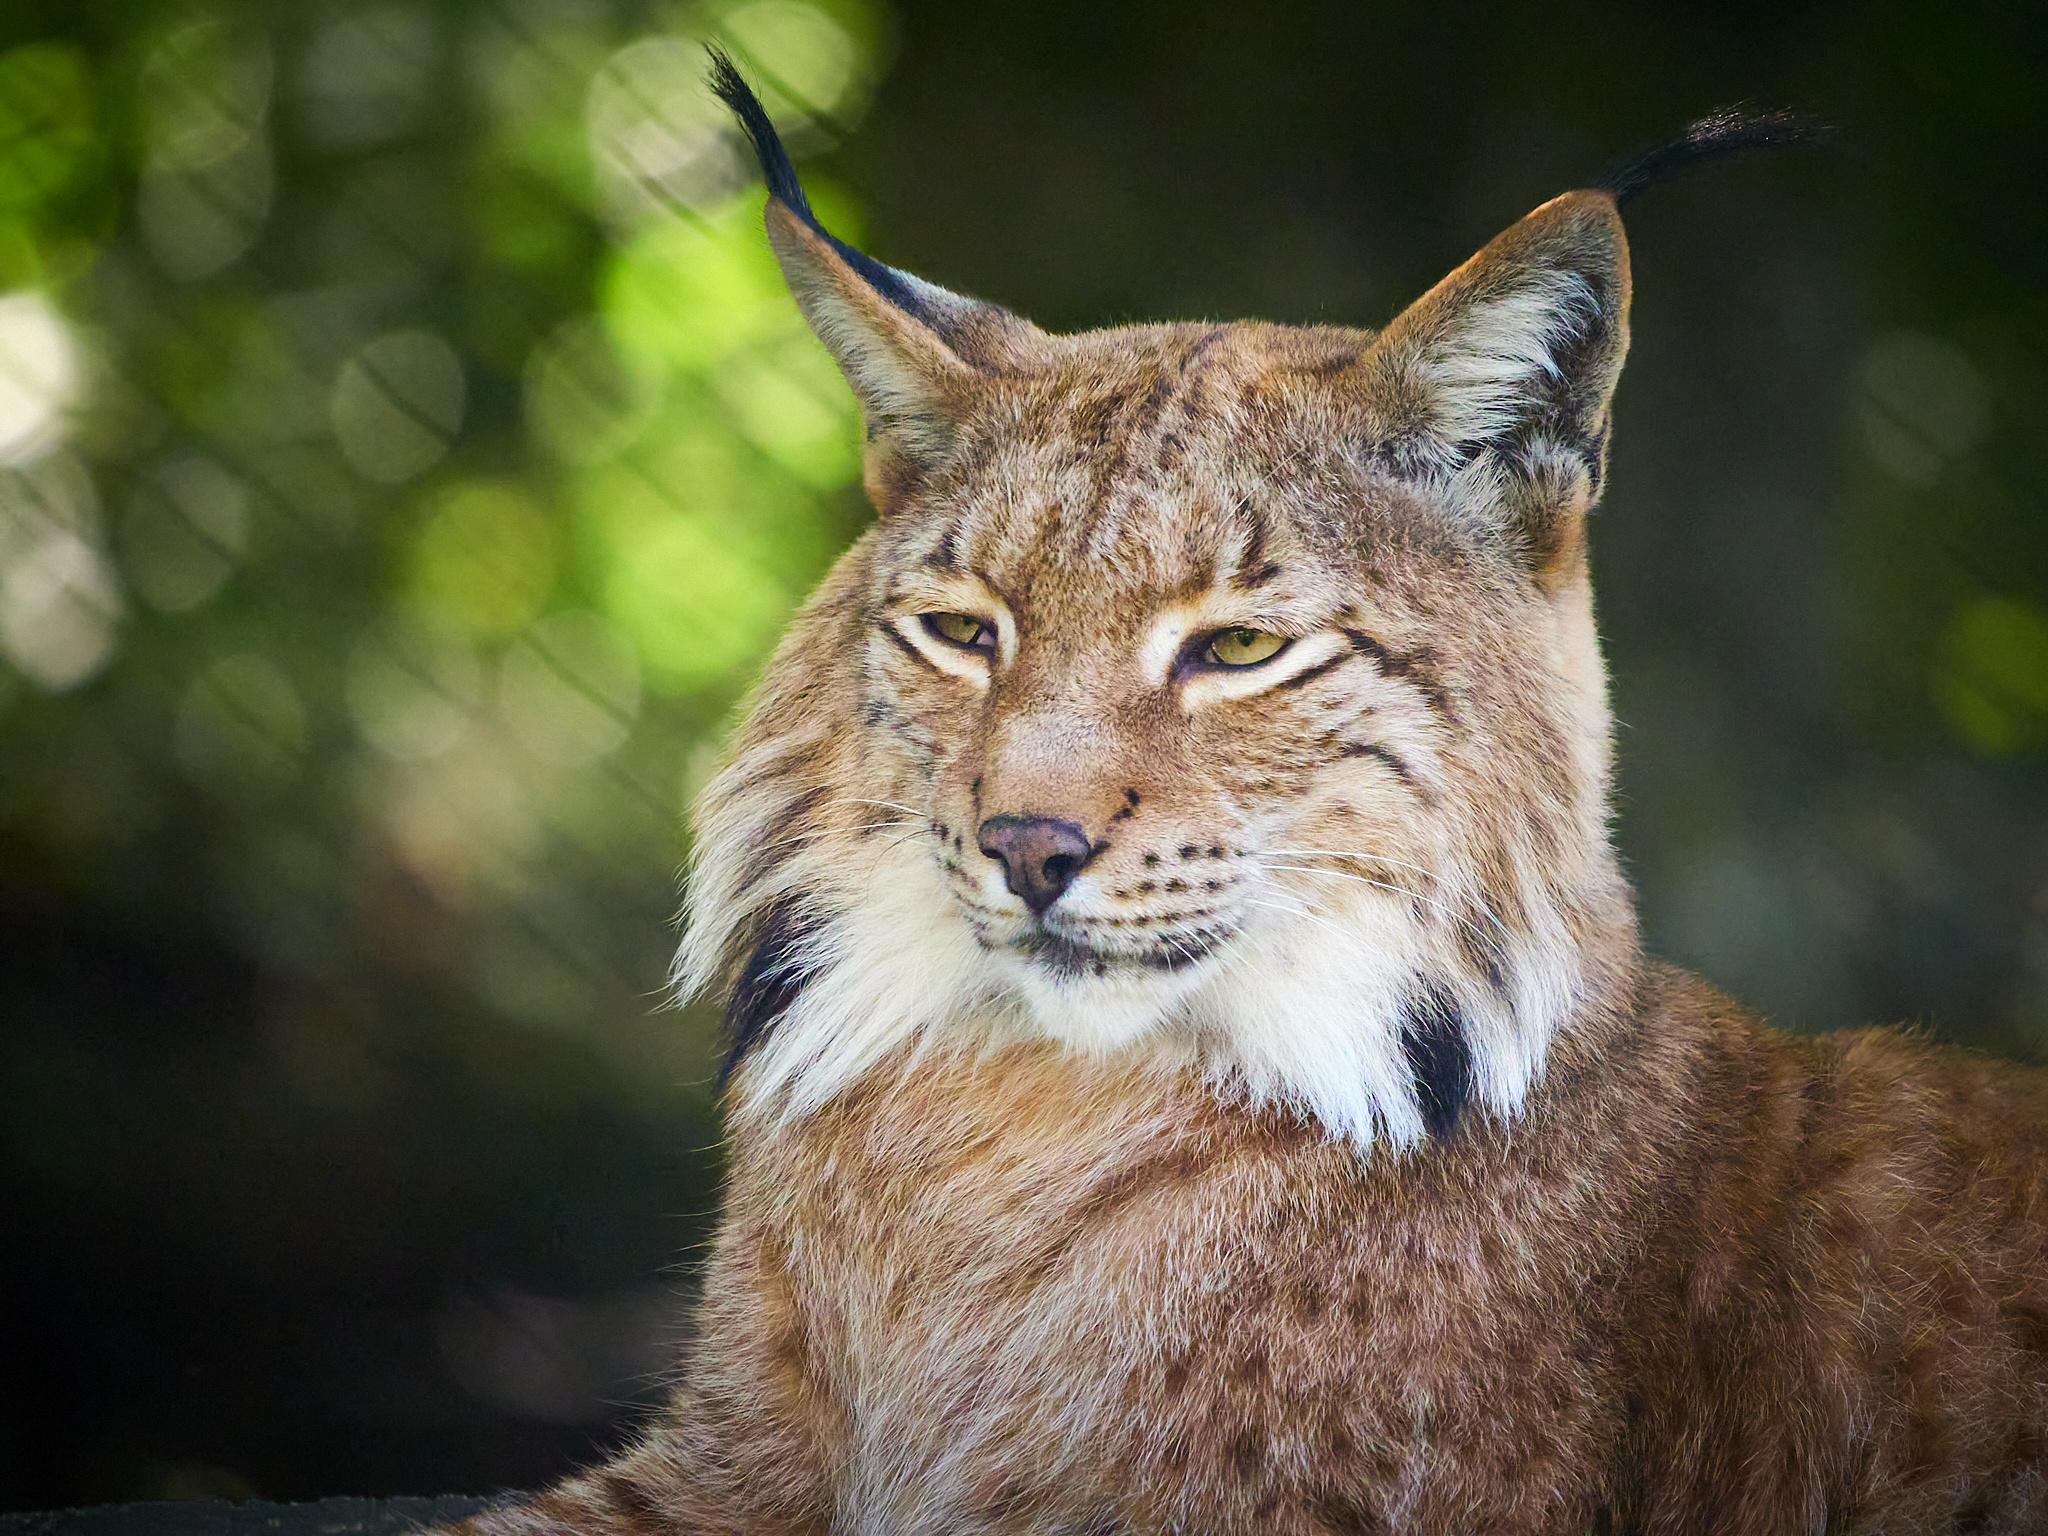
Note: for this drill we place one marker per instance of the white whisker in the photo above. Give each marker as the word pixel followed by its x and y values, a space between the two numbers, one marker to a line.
pixel 890 804
pixel 1302 912
pixel 1349 853
pixel 1381 858
pixel 1340 874
pixel 818 832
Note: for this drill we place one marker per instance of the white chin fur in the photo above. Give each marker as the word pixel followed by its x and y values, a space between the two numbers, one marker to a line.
pixel 1097 1014
pixel 1315 1025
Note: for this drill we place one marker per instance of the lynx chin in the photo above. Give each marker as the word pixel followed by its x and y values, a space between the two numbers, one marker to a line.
pixel 1191 1064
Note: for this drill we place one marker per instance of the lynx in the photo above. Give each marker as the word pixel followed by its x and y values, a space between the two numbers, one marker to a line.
pixel 1192 1064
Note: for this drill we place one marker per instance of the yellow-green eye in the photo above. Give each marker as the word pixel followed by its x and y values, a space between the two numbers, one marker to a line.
pixel 961 629
pixel 1244 647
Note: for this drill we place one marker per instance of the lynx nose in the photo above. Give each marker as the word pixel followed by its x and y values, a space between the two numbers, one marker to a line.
pixel 1040 854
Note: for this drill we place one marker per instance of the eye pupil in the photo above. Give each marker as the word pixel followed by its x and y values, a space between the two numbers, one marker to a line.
pixel 1243 646
pixel 959 629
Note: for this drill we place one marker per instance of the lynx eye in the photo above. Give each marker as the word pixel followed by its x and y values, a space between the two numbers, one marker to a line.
pixel 1243 647
pixel 961 629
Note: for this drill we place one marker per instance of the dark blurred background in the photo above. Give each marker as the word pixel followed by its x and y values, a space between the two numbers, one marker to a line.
pixel 407 452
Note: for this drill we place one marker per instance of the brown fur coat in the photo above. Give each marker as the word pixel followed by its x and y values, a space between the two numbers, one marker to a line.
pixel 1719 1279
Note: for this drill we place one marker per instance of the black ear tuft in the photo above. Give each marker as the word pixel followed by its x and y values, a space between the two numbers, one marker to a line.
pixel 1439 1055
pixel 730 87
pixel 1730 131
pixel 769 982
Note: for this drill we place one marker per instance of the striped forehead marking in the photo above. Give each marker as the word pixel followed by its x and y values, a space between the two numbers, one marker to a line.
pixel 1105 435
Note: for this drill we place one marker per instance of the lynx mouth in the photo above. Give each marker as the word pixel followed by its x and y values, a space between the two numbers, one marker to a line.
pixel 1069 957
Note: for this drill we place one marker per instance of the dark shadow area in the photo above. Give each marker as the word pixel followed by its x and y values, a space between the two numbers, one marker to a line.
pixel 328 1517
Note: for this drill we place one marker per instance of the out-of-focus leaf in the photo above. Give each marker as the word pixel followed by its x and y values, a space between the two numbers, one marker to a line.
pixel 48 136
pixel 485 558
pixel 1993 675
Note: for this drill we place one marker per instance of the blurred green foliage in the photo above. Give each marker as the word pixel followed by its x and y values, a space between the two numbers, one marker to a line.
pixel 421 511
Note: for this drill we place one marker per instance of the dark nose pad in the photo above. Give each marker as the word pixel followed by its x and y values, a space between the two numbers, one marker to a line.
pixel 1040 854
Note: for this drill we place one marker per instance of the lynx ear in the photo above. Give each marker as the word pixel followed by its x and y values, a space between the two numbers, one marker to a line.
pixel 1493 389
pixel 910 384
pixel 911 350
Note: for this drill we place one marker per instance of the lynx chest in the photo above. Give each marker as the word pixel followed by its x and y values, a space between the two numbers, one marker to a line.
pixel 1045 1298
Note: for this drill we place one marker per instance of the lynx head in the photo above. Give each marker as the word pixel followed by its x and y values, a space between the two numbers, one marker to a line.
pixel 1227 693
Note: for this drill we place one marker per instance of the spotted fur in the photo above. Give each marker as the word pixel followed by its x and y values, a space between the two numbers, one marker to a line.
pixel 1326 1157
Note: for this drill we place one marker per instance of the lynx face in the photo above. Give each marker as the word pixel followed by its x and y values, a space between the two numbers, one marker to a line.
pixel 1223 693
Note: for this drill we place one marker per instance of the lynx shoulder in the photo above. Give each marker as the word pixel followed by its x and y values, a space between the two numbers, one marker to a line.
pixel 1192 1066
